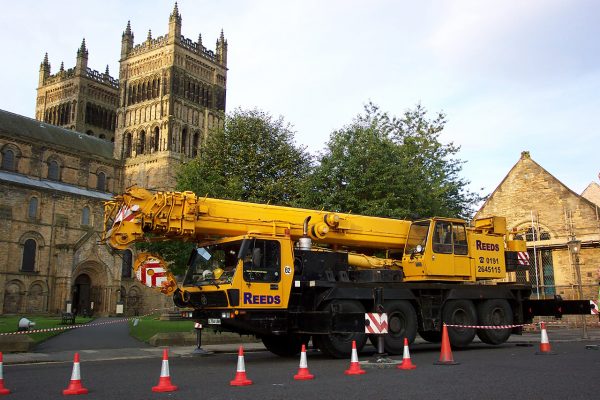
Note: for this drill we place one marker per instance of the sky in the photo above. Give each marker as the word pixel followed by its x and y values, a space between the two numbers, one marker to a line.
pixel 510 75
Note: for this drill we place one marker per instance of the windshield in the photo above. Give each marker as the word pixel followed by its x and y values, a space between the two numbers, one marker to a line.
pixel 417 236
pixel 213 264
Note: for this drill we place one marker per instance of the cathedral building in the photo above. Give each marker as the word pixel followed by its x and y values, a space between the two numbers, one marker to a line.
pixel 93 136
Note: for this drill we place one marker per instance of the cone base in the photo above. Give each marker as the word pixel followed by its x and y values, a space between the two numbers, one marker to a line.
pixel 75 388
pixel 452 362
pixel 164 388
pixel 4 391
pixel 240 380
pixel 407 366
pixel 545 353
pixel 355 371
pixel 303 375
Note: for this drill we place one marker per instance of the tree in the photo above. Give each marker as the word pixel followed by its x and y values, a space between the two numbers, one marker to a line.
pixel 387 166
pixel 253 157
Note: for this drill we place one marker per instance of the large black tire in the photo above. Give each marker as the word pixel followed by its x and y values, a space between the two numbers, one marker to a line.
pixel 339 345
pixel 494 312
pixel 460 312
pixel 431 336
pixel 402 323
pixel 285 345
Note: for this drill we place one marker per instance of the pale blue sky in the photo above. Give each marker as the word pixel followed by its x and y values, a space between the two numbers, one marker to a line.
pixel 510 75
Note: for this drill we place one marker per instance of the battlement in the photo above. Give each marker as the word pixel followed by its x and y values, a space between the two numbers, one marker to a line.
pixel 188 44
pixel 102 78
pixel 94 75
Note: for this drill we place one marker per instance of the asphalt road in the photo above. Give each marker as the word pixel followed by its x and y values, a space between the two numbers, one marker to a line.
pixel 485 372
pixel 105 334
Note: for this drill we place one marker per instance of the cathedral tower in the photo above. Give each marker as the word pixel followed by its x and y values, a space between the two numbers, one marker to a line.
pixel 78 98
pixel 172 92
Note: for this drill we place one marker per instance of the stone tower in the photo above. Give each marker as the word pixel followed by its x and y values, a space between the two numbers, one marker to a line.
pixel 79 98
pixel 172 92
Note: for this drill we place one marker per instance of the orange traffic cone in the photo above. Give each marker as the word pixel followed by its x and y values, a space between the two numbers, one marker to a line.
pixel 406 362
pixel 3 390
pixel 355 368
pixel 446 351
pixel 545 343
pixel 75 386
pixel 303 373
pixel 164 382
pixel 240 375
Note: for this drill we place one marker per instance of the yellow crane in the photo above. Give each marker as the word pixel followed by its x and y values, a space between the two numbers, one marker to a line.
pixel 290 274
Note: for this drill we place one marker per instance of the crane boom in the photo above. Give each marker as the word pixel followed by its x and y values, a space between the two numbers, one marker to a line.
pixel 185 216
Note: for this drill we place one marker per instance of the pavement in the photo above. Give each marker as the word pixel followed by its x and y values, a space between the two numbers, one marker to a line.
pixel 112 342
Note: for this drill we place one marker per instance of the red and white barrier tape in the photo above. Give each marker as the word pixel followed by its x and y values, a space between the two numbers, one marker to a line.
pixel 534 324
pixel 88 325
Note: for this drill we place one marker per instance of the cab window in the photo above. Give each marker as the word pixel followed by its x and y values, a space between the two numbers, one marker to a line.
pixel 442 237
pixel 460 240
pixel 262 261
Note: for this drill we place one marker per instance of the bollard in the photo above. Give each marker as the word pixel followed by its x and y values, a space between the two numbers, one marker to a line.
pixel 199 351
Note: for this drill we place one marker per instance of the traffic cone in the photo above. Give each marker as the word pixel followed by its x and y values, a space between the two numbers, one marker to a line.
pixel 545 343
pixel 240 375
pixel 355 368
pixel 164 382
pixel 303 373
pixel 406 362
pixel 75 386
pixel 3 390
pixel 446 351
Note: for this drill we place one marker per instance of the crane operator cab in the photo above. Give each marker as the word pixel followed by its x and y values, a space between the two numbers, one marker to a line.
pixel 242 272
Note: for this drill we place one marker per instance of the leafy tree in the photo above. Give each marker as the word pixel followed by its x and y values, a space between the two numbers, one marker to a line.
pixel 382 165
pixel 253 157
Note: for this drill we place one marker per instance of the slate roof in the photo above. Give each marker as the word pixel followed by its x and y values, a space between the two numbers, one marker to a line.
pixel 20 127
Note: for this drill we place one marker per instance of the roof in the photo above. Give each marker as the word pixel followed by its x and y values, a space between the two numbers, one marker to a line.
pixel 592 193
pixel 20 127
pixel 52 185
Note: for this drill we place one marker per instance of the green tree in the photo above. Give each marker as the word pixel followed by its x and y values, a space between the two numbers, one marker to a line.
pixel 253 157
pixel 382 165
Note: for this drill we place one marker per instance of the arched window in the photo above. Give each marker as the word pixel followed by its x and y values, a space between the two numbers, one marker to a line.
pixel 156 139
pixel 195 143
pixel 85 216
pixel 8 160
pixel 29 249
pixel 33 207
pixel 127 145
pixel 53 170
pixel 142 142
pixel 184 141
pixel 101 182
pixel 126 265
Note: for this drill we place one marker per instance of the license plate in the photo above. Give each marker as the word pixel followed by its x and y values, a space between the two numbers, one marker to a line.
pixel 214 321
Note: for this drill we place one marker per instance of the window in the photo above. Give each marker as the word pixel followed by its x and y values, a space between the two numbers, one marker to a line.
pixel 460 240
pixel 33 207
pixel 155 139
pixel 127 145
pixel 261 262
pixel 184 141
pixel 142 143
pixel 8 160
pixel 442 237
pixel 126 264
pixel 85 216
pixel 29 249
pixel 101 182
pixel 53 170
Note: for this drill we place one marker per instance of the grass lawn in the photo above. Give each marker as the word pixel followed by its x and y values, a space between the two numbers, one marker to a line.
pixel 149 326
pixel 10 324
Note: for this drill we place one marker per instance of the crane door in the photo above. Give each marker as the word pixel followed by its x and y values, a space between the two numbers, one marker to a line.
pixel 262 271
pixel 450 256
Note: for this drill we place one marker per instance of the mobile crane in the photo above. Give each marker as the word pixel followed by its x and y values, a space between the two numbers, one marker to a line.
pixel 288 274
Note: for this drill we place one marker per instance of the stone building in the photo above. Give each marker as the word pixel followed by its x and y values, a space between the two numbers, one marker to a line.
pixel 547 214
pixel 94 136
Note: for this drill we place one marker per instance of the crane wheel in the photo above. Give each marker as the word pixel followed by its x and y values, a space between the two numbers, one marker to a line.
pixel 460 312
pixel 494 312
pixel 339 345
pixel 285 345
pixel 402 323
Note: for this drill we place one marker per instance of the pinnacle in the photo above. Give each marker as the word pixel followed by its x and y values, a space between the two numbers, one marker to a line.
pixel 62 66
pixel 149 34
pixel 106 72
pixel 128 28
pixel 175 12
pixel 45 62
